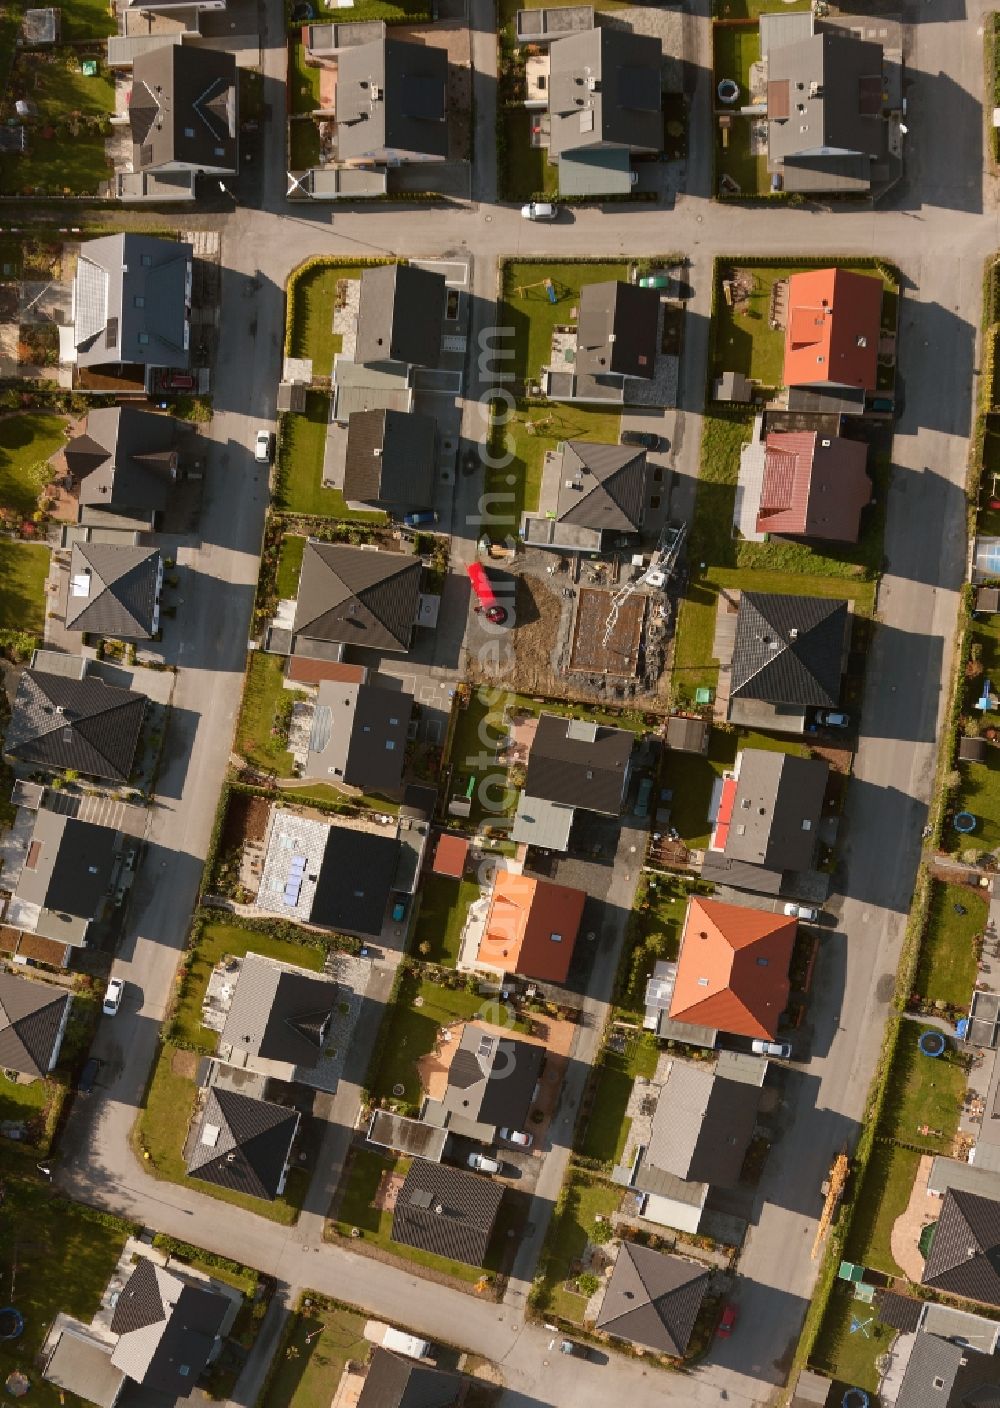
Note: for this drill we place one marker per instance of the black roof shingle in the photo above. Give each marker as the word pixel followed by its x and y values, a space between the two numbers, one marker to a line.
pixel 789 649
pixel 446 1211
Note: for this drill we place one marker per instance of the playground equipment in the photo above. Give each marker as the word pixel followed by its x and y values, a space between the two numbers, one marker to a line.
pixel 964 822
pixel 728 91
pixel 11 1323
pixel 546 284
pixel 932 1043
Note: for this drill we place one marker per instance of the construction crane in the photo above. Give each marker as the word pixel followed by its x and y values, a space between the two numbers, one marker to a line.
pixel 834 1192
pixel 657 574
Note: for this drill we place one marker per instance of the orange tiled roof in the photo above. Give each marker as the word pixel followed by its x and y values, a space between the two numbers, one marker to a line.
pixel 449 855
pixel 832 331
pixel 525 915
pixel 732 973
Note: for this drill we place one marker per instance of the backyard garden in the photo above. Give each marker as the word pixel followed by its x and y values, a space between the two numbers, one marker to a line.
pixel 72 99
pixel 444 905
pixel 301 448
pixel 582 1215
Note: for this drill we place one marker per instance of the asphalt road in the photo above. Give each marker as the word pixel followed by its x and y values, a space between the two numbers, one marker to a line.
pixel 938 227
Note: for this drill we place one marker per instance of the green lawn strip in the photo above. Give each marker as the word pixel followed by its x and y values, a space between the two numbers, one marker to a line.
pixel 523 443
pixel 391 11
pixel 20 1101
pixel 582 1200
pixel 78 166
pixel 303 145
pixel 290 565
pixel 527 171
pixel 266 704
pixel 23 570
pixel 300 466
pixel 329 797
pixel 736 48
pixel 946 970
pixel 654 932
pixel 691 777
pixel 215 942
pixel 314 293
pixel 303 80
pixel 87 19
pixel 26 444
pixel 849 1357
pixel 884 1195
pixel 750 9
pixel 979 792
pixel 162 1128
pixel 532 316
pixel 607 1126
pixel 475 743
pixel 318 1343
pixel 241 1278
pixel 444 906
pixel 923 1092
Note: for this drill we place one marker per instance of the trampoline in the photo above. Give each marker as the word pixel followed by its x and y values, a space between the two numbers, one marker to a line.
pixel 855 1398
pixel 932 1043
pixel 964 822
pixel 728 91
pixel 11 1323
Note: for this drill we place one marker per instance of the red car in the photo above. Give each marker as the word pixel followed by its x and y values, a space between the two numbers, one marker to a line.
pixel 178 381
pixel 728 1322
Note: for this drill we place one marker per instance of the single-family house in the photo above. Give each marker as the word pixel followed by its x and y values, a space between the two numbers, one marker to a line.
pixel 531 927
pixel 446 1211
pixel 392 103
pixel 243 1144
pixel 279 1018
pixel 397 1381
pixel 75 721
pixel 169 1328
pixel 964 1255
pixel 401 312
pixel 590 495
pixel 183 111
pixel 355 596
pixel 390 460
pixel 945 1373
pixel 358 736
pixel 832 328
pixel 653 1299
pixel 125 464
pixel 617 331
pixel 114 590
pixel 33 1017
pixel 605 106
pixel 573 763
pixel 789 656
pixel 65 882
pixel 492 1081
pixel 813 486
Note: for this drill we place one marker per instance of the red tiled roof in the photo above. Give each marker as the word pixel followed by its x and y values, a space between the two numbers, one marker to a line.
pixel 732 973
pixel 833 326
pixel 725 816
pixel 308 671
pixel 449 855
pixel 813 486
pixel 532 927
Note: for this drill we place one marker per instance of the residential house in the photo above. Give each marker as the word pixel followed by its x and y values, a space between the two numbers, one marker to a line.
pixel 75 721
pixel 767 825
pixel 617 342
pixel 605 107
pixel 33 1017
pixel 243 1144
pixel 531 927
pixel 732 970
pixel 114 590
pixel 591 496
pixel 446 1211
pixel 390 460
pixel 492 1081
pixel 278 1020
pixel 392 103
pixel 400 316
pixel 832 328
pixel 125 464
pixel 827 127
pixel 789 656
pixel 813 486
pixel 183 111
pixel 79 1363
pixel 170 1328
pixel 573 763
pixel 964 1256
pixel 355 596
pixel 65 883
pixel 357 877
pixel 396 1381
pixel 358 738
pixel 131 306
pixel 945 1374
pixel 653 1299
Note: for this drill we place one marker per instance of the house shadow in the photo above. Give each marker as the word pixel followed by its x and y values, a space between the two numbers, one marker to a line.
pixel 872 876
pixel 944 175
pixel 212 623
pixel 936 369
pixel 905 668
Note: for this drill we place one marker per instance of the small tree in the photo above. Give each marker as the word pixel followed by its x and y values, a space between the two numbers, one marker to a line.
pixel 588 1284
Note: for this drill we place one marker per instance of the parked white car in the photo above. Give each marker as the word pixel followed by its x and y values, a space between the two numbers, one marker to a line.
pixel 781 1049
pixel 262 447
pixel 539 210
pixel 802 911
pixel 113 997
pixel 482 1163
pixel 518 1137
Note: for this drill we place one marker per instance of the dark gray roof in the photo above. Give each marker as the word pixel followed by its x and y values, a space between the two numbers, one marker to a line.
pixel 407 1136
pixel 243 1144
pixel 826 124
pixel 113 590
pixel 393 1381
pixel 68 866
pixel 617 330
pixel 390 458
pixel 279 1013
pixel 126 460
pixel 899 1312
pixel 602 486
pixel 132 302
pixel 446 1211
pixel 940 1374
pixel 168 1328
pixel 31 1018
pixel 183 109
pixel 355 880
pixel 359 734
pixel 492 1079
pixel 400 315
pixel 688 735
pixel 357 596
pixel 578 764
pixel 392 100
pixel 789 649
pixel 653 1299
pixel 964 1258
pixel 701 1129
pixel 58 722
pixel 777 809
pixel 604 90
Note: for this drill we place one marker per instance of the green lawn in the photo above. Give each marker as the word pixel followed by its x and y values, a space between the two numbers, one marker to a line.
pixel 303 80
pixel 215 942
pixel 946 971
pixel 923 1092
pixel 444 905
pixel 300 466
pixel 533 430
pixel 59 1256
pixel 882 1198
pixel 980 789
pixel 23 570
pixel 845 1356
pixel 26 444
pixel 527 309
pixel 526 170
pixel 290 565
pixel 162 1127
pixel 654 932
pixel 313 298
pixel 56 160
pixel 261 732
pixel 736 48
pixel 750 9
pixel 23 1102
pixel 319 1340
pixel 734 158
pixel 606 1129
pixel 87 19
pixel 507 9
pixel 582 1200
pixel 478 731
pixel 303 145
pixel 691 777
